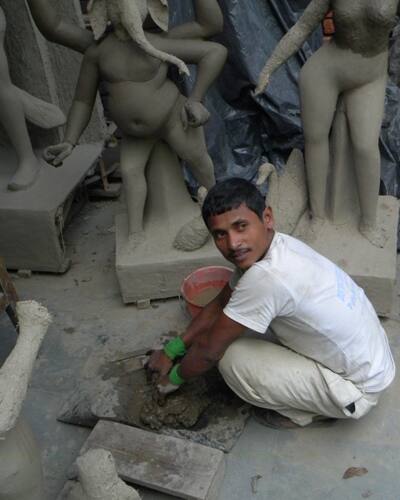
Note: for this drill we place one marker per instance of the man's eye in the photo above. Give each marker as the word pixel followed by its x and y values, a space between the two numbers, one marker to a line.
pixel 242 226
pixel 219 236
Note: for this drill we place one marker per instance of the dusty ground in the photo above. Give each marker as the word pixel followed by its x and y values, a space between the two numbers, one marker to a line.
pixel 90 316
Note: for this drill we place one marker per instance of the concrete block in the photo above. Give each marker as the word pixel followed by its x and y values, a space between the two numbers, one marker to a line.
pixel 170 465
pixel 32 221
pixel 155 269
pixel 371 267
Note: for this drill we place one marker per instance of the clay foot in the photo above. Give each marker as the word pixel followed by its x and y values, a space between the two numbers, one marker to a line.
pixel 135 239
pixel 375 235
pixel 192 236
pixel 25 175
pixel 309 228
pixel 264 171
pixel 201 195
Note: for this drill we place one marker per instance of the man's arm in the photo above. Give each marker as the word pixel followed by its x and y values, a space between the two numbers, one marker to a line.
pixel 209 348
pixel 199 326
pixel 207 317
pixel 208 22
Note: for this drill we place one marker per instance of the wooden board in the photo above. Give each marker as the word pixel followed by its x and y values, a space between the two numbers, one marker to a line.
pixel 167 464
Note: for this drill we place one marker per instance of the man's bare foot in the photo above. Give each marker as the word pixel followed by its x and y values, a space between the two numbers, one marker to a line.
pixel 25 175
pixel 375 235
pixel 275 420
pixel 135 239
pixel 272 419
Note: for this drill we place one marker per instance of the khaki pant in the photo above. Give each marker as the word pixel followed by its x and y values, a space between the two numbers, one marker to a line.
pixel 274 377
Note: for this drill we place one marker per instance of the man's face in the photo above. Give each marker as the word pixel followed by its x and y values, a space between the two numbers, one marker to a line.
pixel 241 236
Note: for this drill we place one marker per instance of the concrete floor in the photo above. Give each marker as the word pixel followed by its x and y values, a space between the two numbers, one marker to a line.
pixel 89 316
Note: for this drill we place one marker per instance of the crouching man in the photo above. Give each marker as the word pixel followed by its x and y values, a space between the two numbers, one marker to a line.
pixel 332 358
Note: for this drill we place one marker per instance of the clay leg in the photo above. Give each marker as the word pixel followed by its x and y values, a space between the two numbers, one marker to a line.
pixel 365 108
pixel 190 146
pixel 319 96
pixel 135 154
pixel 12 118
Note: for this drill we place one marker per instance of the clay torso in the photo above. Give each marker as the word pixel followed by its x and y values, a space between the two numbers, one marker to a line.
pixel 364 25
pixel 141 96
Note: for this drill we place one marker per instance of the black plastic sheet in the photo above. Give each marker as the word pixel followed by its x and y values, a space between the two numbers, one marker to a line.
pixel 245 130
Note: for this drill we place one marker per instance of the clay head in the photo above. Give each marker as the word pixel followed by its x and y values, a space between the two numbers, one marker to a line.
pixel 127 17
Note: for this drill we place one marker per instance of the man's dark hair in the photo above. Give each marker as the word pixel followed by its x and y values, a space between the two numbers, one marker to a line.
pixel 230 194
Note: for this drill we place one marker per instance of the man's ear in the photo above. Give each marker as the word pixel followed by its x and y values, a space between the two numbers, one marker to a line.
pixel 268 218
pixel 158 10
pixel 97 13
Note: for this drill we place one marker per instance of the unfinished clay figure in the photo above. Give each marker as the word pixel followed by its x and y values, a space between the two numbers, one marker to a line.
pixel 353 67
pixel 55 29
pixel 17 105
pixel 20 471
pixel 99 478
pixel 144 103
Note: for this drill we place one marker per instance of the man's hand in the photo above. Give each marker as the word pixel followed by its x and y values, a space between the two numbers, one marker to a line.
pixel 194 114
pixel 159 362
pixel 165 387
pixel 55 155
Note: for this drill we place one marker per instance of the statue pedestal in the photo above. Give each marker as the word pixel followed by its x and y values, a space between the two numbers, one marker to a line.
pixel 155 269
pixel 373 268
pixel 32 221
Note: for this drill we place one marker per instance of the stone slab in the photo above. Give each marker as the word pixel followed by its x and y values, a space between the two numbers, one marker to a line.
pixel 170 465
pixel 115 388
pixel 155 269
pixel 372 268
pixel 32 221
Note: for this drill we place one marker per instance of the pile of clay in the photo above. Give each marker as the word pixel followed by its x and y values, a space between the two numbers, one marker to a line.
pixel 186 407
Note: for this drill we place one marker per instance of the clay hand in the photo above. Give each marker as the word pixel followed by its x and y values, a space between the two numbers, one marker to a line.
pixel 165 387
pixel 159 363
pixel 263 81
pixel 55 155
pixel 194 114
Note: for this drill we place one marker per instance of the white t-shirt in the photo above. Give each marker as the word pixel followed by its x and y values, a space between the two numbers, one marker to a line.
pixel 315 309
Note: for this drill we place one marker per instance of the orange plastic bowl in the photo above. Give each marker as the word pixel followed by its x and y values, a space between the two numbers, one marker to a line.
pixel 202 285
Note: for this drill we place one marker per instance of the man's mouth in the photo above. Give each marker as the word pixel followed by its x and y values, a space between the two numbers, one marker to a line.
pixel 240 255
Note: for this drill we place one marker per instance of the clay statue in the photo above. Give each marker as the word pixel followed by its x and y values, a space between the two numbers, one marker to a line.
pixel 20 471
pixel 351 67
pixel 99 478
pixel 17 105
pixel 55 29
pixel 144 103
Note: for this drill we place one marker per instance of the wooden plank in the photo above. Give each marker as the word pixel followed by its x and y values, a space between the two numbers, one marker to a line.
pixel 170 465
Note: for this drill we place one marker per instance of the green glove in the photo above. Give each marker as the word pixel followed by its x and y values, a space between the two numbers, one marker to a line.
pixel 174 376
pixel 174 348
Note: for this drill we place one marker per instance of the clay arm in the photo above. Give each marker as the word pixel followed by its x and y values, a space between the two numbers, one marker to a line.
pixel 294 39
pixel 56 30
pixel 17 369
pixel 209 22
pixel 81 109
pixel 209 348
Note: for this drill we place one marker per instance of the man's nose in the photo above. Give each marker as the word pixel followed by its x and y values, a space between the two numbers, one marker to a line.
pixel 234 241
